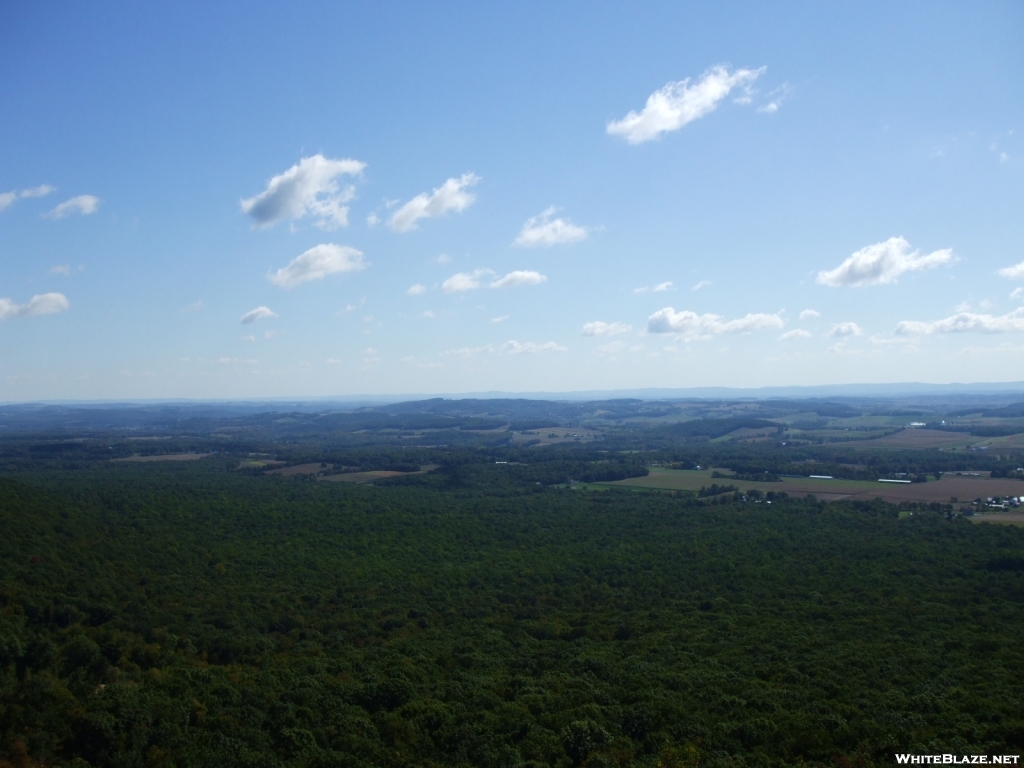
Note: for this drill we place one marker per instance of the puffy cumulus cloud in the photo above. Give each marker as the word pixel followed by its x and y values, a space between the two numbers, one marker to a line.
pixel 807 314
pixel 41 304
pixel 690 325
pixel 840 330
pixel 519 277
pixel 1016 272
pixel 681 102
pixel 799 333
pixel 883 263
pixel 463 281
pixel 259 313
pixel 543 230
pixel 450 196
pixel 599 328
pixel 965 322
pixel 318 262
pixel 514 347
pixel 83 204
pixel 416 290
pixel 310 187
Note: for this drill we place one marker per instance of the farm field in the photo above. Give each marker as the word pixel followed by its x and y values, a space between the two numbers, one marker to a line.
pixel 556 435
pixel 1001 518
pixel 369 477
pixel 921 438
pixel 167 457
pixel 962 488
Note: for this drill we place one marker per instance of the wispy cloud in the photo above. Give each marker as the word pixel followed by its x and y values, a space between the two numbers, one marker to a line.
pixel 690 325
pixel 500 319
pixel 519 277
pixel 310 187
pixel 776 97
pixel 195 306
pixel 965 322
pixel 660 288
pixel 679 103
pixel 61 269
pixel 514 347
pixel 257 314
pixel 7 198
pixel 466 353
pixel 318 262
pixel 1016 272
pixel 416 290
pixel 840 330
pixel 83 204
pixel 1017 293
pixel 807 314
pixel 599 328
pixel 698 286
pixel 883 263
pixel 798 333
pixel 41 304
pixel 543 230
pixel 450 196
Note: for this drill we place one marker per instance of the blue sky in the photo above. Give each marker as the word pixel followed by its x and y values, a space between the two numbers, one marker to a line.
pixel 310 200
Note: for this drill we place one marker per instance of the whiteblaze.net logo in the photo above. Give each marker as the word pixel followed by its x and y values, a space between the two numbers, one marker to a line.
pixel 957 759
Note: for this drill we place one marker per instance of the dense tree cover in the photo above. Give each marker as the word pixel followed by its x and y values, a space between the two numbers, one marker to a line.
pixel 193 615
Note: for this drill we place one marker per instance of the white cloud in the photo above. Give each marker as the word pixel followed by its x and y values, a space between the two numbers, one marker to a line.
pixel 500 319
pixel 443 259
pixel 840 330
pixel 514 347
pixel 257 314
pixel 697 287
pixel 659 288
pixel 965 322
pixel 195 306
pixel 882 263
pixel 519 277
pixel 450 196
pixel 599 328
pixel 693 326
pixel 416 290
pixel 1016 272
pixel 679 103
pixel 61 269
pixel 41 191
pixel 41 304
pixel 429 314
pixel 318 262
pixel 542 230
pixel 777 96
pixel 799 333
pixel 308 188
pixel 1018 293
pixel 1003 157
pixel 807 314
pixel 83 204
pixel 372 220
pixel 463 281
pixel 7 198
